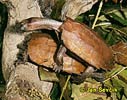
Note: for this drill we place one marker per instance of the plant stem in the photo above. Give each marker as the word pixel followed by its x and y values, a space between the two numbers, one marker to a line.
pixel 98 12
pixel 64 88
pixel 115 74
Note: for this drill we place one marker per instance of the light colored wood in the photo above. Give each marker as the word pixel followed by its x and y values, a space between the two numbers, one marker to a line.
pixel 21 78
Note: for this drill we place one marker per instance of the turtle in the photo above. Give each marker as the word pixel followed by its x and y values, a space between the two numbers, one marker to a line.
pixel 40 50
pixel 76 38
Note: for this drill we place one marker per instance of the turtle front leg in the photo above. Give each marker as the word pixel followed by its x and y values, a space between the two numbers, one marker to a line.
pixel 58 66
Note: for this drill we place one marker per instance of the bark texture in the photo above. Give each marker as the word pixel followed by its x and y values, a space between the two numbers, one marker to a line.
pixel 22 81
pixel 73 8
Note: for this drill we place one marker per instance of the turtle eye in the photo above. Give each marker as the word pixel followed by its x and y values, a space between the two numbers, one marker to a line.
pixel 20 27
pixel 23 27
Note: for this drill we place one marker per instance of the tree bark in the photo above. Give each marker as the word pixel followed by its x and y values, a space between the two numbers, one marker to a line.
pixel 73 8
pixel 22 80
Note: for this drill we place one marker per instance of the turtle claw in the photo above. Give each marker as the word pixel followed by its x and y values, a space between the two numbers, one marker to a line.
pixel 100 77
pixel 57 68
pixel 78 79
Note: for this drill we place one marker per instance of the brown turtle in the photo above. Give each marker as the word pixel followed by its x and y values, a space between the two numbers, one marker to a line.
pixel 77 38
pixel 41 49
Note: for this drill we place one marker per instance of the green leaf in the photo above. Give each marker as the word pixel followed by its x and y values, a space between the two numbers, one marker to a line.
pixel 124 98
pixel 88 91
pixel 116 84
pixel 123 76
pixel 55 93
pixel 67 89
pixel 120 85
pixel 119 19
pixel 80 18
pixel 113 72
pixel 47 76
pixel 124 30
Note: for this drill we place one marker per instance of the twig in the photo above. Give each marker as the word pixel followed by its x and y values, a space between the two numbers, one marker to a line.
pixel 98 12
pixel 103 24
pixel 115 74
pixel 64 88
